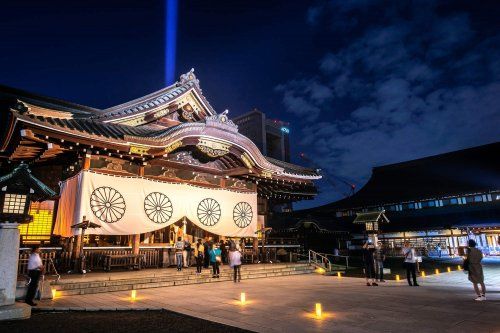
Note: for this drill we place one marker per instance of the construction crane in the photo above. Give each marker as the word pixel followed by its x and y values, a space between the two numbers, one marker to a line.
pixel 329 177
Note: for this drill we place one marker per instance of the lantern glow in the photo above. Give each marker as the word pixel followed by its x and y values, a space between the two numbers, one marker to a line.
pixel 459 267
pixel 397 277
pixel 423 274
pixel 448 269
pixel 319 311
pixel 54 293
pixel 243 298
pixel 339 274
pixel 437 271
pixel 133 295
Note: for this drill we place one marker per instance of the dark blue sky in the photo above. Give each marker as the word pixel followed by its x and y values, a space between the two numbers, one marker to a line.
pixel 362 82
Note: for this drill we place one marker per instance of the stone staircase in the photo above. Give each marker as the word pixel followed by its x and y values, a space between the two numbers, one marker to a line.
pixel 118 281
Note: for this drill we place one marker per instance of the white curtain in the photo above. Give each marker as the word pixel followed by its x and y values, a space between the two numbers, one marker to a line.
pixel 134 205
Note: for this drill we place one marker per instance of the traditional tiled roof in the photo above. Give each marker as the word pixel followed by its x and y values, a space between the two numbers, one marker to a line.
pixel 88 126
pixel 164 96
pixel 23 173
pixel 468 171
pixel 293 169
pixel 77 110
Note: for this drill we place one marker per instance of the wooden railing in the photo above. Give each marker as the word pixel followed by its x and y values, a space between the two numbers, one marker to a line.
pixel 152 257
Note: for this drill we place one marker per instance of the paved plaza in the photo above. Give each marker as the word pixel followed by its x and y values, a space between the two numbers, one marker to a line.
pixel 443 303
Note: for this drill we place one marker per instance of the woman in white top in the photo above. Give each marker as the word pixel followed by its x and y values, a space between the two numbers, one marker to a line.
pixel 235 263
pixel 410 264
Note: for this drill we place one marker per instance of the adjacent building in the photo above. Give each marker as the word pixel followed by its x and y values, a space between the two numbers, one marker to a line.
pixel 437 202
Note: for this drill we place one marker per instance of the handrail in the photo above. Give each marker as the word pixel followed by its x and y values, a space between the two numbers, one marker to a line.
pixel 324 263
pixel 337 256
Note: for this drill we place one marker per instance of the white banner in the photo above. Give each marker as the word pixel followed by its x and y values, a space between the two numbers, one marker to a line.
pixel 135 205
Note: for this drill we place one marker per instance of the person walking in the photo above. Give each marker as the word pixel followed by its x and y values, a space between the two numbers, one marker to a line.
pixel 475 269
pixel 379 257
pixel 35 270
pixel 199 252
pixel 410 263
pixel 368 250
pixel 179 248
pixel 235 263
pixel 215 260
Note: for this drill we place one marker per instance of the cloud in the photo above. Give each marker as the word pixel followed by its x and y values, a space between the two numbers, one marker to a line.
pixel 408 83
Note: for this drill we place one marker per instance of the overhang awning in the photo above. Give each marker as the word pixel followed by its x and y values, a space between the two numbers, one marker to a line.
pixel 371 217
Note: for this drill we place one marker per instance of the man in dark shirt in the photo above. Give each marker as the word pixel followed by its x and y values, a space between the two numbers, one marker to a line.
pixel 379 257
pixel 368 251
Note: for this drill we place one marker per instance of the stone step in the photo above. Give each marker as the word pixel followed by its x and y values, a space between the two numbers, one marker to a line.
pixel 125 284
pixel 168 274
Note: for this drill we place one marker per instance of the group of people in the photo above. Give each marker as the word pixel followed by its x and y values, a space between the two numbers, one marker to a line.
pixel 209 254
pixel 374 257
pixel 373 260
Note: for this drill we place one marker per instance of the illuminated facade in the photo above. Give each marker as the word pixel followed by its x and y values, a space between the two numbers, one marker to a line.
pixel 172 137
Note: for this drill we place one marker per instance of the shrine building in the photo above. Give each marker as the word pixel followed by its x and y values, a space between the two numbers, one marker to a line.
pixel 149 170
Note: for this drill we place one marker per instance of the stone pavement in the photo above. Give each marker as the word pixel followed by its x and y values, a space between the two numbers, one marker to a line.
pixel 443 303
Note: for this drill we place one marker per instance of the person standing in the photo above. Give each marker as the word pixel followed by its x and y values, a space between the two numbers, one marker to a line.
pixel 368 250
pixel 475 269
pixel 215 259
pixel 35 270
pixel 187 253
pixel 199 252
pixel 379 257
pixel 179 248
pixel 410 263
pixel 223 251
pixel 235 263
pixel 206 256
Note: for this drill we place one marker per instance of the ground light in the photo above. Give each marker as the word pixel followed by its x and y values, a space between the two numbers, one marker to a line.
pixel 133 295
pixel 243 298
pixel 339 274
pixel 437 271
pixel 459 267
pixel 448 269
pixel 423 274
pixel 320 270
pixel 54 293
pixel 319 311
pixel 397 277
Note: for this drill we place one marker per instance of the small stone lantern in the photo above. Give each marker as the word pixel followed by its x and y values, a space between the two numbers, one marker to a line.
pixel 17 190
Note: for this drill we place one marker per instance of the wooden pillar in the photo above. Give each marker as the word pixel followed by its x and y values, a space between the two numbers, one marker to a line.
pixel 256 247
pixel 77 244
pixel 136 241
pixel 86 162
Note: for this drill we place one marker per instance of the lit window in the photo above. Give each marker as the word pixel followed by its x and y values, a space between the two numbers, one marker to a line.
pixel 14 203
pixel 41 227
pixel 478 198
pixel 453 201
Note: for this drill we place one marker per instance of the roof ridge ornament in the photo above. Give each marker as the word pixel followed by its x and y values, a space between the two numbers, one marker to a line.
pixel 189 76
pixel 222 120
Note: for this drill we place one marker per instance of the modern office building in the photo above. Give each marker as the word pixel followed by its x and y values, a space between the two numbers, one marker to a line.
pixel 271 136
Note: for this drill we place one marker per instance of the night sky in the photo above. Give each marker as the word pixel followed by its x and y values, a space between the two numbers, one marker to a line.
pixel 363 83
